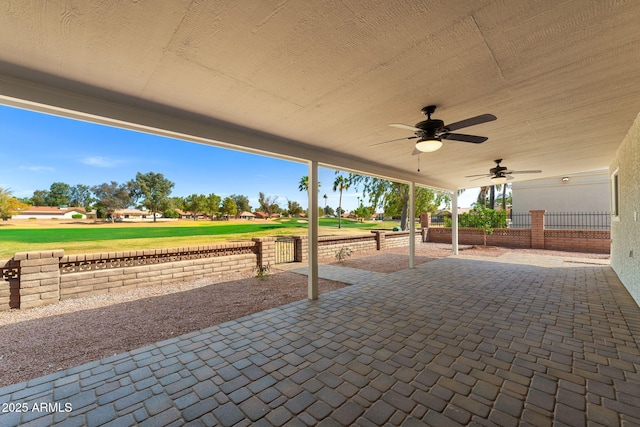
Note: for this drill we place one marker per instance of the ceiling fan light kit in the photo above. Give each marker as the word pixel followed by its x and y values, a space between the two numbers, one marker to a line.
pixel 429 145
pixel 499 179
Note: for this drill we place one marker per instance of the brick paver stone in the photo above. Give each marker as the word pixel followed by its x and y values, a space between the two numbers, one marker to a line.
pixel 518 339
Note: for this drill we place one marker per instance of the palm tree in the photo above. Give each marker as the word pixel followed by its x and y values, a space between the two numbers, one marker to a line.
pixel 482 197
pixel 303 185
pixel 341 183
pixel 504 197
pixel 492 197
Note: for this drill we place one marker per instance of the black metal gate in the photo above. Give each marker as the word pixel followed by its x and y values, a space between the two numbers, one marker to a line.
pixel 285 250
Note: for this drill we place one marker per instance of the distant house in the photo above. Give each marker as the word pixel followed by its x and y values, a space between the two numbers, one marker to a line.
pixel 261 215
pixel 135 214
pixel 583 192
pixel 190 215
pixel 247 215
pixel 50 212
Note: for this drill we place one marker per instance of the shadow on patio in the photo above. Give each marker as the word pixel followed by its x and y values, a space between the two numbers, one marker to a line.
pixel 514 340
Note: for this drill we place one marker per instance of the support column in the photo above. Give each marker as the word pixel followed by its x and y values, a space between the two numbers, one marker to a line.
pixel 380 239
pixel 313 231
pixel 454 222
pixel 537 229
pixel 39 277
pixel 412 225
pixel 266 250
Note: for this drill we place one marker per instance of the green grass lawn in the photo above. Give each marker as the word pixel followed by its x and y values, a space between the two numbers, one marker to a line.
pixel 115 237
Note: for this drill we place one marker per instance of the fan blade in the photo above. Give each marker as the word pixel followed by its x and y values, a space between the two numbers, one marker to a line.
pixel 407 127
pixel 416 152
pixel 484 118
pixel 393 140
pixel 483 174
pixel 532 171
pixel 482 177
pixel 465 138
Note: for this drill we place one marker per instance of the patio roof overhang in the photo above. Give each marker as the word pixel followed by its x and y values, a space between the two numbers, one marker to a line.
pixel 322 81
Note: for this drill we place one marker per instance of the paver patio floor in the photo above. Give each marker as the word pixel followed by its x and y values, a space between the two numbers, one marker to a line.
pixel 514 340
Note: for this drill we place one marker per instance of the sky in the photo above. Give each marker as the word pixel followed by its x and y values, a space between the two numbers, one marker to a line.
pixel 39 149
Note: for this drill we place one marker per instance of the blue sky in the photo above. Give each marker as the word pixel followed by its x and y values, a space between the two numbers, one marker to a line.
pixel 39 149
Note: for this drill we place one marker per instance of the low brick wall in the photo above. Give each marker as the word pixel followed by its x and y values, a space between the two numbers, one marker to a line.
pixel 96 274
pixel 400 239
pixel 33 279
pixel 328 246
pixel 593 241
pixel 98 282
pixel 506 237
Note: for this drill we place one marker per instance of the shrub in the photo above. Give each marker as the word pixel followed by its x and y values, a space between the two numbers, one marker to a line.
pixel 76 216
pixel 262 271
pixel 343 253
pixel 171 213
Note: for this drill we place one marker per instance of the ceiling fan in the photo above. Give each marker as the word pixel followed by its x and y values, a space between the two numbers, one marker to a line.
pixel 431 132
pixel 500 174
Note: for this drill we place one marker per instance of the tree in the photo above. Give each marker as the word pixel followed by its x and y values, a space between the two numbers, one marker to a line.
pixel 487 219
pixel 81 196
pixel 111 197
pixel 268 203
pixel 154 190
pixel 195 204
pixel 303 185
pixel 40 198
pixel 492 197
pixel 363 212
pixel 504 199
pixel 341 183
pixel 242 202
pixel 212 205
pixel 394 197
pixel 59 194
pixel 325 200
pixel 294 208
pixel 10 205
pixel 328 211
pixel 229 207
pixel 482 197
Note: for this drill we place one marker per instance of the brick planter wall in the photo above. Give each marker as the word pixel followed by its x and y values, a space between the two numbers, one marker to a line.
pixel 328 246
pixel 594 241
pixel 33 279
pixel 506 237
pixel 400 239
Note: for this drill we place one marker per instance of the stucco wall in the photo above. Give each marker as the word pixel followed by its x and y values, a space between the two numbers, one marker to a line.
pixel 585 192
pixel 625 230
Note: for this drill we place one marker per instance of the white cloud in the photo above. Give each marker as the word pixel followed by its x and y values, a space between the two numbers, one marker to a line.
pixel 37 168
pixel 101 162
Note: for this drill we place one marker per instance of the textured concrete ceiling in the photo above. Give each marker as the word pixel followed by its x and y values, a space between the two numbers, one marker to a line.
pixel 322 80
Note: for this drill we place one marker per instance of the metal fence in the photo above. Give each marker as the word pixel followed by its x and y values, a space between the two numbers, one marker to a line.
pixel 519 220
pixel 552 220
pixel 285 250
pixel 577 220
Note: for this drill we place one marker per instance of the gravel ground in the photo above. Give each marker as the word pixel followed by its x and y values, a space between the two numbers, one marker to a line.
pixel 44 340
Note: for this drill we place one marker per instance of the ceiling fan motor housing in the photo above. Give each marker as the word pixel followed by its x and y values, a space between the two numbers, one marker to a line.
pixel 430 125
